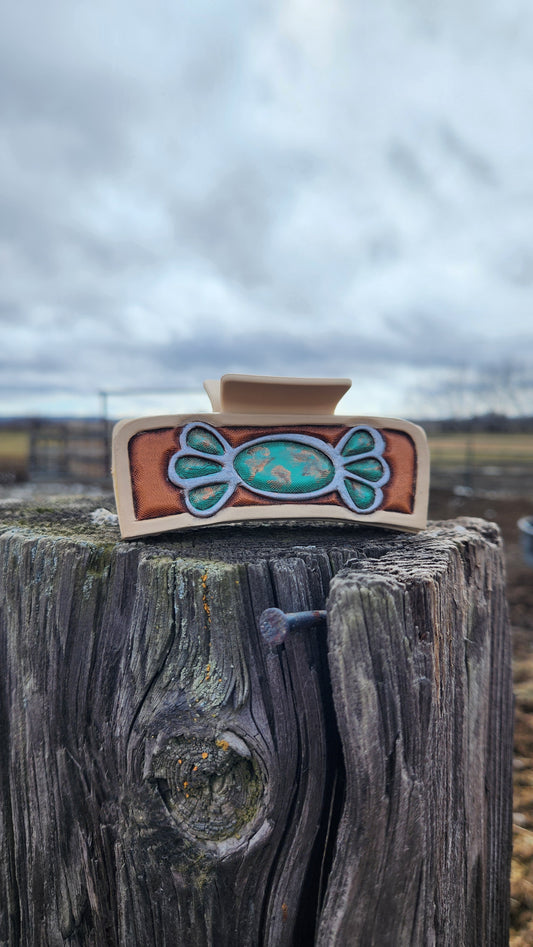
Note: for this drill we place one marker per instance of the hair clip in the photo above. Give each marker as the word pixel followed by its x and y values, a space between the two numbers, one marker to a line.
pixel 272 449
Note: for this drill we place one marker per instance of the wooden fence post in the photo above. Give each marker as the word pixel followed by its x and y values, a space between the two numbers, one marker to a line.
pixel 169 778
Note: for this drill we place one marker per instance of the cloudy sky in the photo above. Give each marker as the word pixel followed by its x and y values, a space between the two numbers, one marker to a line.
pixel 340 188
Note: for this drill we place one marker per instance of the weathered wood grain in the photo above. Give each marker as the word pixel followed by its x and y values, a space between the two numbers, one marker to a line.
pixel 167 778
pixel 420 666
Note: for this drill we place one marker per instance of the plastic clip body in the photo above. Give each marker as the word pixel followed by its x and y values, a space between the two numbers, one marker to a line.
pixel 267 458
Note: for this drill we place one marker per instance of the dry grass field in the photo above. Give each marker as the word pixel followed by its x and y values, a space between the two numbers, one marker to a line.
pixel 14 453
pixel 481 449
pixel 454 451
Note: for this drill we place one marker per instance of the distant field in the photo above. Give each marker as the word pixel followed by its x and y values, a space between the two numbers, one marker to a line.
pixel 481 450
pixel 14 450
pixel 448 451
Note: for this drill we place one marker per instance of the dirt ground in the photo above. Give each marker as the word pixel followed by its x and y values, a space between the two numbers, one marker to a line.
pixel 506 511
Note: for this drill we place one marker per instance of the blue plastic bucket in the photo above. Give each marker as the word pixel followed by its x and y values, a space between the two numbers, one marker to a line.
pixel 525 525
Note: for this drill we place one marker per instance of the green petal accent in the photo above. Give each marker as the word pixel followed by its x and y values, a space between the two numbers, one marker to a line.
pixel 200 439
pixel 188 467
pixel 369 469
pixel 284 467
pixel 360 443
pixel 203 498
pixel 362 496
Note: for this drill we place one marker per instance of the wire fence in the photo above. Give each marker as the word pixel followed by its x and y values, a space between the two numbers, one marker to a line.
pixel 79 450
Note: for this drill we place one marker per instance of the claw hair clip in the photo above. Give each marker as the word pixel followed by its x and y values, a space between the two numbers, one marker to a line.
pixel 272 449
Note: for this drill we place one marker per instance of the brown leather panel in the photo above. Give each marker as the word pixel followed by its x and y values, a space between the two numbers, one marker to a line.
pixel 154 495
pixel 399 492
pixel 239 435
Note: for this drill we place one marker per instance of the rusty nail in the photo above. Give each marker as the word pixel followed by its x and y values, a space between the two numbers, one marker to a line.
pixel 274 624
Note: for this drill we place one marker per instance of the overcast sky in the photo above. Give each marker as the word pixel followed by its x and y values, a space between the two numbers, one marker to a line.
pixel 335 188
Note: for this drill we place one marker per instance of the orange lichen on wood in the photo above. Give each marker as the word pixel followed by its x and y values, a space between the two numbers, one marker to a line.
pixel 205 603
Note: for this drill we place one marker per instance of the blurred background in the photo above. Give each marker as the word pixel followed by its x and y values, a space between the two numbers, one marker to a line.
pixel 316 189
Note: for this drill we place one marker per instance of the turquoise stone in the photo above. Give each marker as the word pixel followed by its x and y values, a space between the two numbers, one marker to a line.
pixel 362 496
pixel 203 498
pixel 359 443
pixel 200 439
pixel 188 467
pixel 369 469
pixel 284 467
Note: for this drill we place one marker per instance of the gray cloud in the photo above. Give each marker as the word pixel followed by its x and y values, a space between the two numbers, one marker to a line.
pixel 200 190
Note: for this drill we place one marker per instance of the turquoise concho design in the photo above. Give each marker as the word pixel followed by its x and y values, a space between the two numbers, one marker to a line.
pixel 290 467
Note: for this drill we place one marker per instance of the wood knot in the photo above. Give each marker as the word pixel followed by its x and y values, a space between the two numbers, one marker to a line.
pixel 211 786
